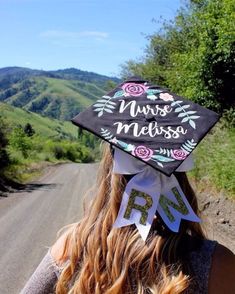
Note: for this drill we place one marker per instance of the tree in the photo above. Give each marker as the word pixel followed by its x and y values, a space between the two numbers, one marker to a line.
pixel 109 85
pixel 194 55
pixel 29 130
pixel 20 141
pixel 4 157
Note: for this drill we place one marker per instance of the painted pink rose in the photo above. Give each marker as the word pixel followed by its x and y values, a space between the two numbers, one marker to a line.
pixel 142 152
pixel 166 97
pixel 134 89
pixel 179 154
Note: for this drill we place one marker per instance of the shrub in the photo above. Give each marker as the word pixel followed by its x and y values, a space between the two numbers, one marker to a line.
pixel 59 152
pixel 20 141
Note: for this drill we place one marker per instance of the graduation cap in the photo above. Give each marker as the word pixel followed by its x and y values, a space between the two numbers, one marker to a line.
pixel 148 122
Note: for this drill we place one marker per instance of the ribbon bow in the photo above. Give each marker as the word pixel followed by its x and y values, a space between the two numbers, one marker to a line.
pixel 149 191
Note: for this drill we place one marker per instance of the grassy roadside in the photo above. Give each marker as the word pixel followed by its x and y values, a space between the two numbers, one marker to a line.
pixel 215 163
pixel 30 142
pixel 43 152
pixel 29 170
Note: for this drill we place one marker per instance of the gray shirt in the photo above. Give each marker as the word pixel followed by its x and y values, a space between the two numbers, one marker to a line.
pixel 46 274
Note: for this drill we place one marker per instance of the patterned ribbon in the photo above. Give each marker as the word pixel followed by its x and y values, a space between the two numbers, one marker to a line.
pixel 150 191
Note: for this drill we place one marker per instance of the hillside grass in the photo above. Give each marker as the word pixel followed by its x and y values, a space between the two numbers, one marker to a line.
pixel 215 161
pixel 53 97
pixel 43 126
pixel 54 142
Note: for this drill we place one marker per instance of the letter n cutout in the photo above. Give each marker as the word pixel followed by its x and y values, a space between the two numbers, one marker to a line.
pixel 181 207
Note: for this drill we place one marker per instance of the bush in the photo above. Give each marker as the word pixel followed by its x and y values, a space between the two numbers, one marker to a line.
pixel 4 157
pixel 59 152
pixel 20 141
pixel 194 54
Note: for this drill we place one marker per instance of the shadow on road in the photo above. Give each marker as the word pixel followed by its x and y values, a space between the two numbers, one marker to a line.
pixel 9 186
pixel 37 186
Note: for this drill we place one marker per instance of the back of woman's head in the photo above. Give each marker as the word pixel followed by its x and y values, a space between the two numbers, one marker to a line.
pixel 103 259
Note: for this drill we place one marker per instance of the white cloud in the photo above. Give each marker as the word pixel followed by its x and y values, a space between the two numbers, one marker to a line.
pixel 61 34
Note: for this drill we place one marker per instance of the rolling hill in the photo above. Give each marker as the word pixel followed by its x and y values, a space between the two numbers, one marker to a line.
pixel 44 126
pixel 59 94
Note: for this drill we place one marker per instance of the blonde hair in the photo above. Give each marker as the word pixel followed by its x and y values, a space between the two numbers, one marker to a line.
pixel 110 260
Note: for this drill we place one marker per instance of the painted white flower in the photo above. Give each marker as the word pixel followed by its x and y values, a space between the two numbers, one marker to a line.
pixel 166 97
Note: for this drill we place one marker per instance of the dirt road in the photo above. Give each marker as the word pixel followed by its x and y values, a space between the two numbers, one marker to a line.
pixel 30 219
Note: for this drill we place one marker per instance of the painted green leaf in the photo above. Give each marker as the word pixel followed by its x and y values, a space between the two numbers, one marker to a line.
pixel 188 145
pixel 108 137
pixel 152 97
pixel 176 102
pixel 160 164
pixel 101 101
pixel 100 113
pixel 109 106
pixel 153 91
pixel 162 158
pixel 191 142
pixel 111 102
pixel 98 105
pixel 108 110
pixel 178 109
pixel 192 124
pixel 185 119
pixel 186 113
pixel 182 114
pixel 194 116
pixel 118 94
pixel 184 147
pixel 185 106
pixel 98 109
pixel 191 112
pixel 123 144
pixel 130 147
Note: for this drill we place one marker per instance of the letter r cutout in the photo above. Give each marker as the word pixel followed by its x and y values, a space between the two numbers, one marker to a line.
pixel 142 208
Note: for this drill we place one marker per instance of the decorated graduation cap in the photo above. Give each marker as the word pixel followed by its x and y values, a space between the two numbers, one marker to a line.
pixel 153 131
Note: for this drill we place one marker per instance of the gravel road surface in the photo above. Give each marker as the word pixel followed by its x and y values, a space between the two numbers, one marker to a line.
pixel 29 220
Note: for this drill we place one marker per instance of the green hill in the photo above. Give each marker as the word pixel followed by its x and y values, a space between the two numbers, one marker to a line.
pixel 44 126
pixel 57 94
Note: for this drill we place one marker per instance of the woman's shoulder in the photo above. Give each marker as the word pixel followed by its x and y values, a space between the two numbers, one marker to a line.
pixel 222 275
pixel 212 267
pixel 59 251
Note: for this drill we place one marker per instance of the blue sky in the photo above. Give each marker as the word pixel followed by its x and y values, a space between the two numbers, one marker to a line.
pixel 93 35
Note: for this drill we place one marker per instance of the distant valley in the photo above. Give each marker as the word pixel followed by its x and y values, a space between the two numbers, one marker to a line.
pixel 58 94
pixel 36 108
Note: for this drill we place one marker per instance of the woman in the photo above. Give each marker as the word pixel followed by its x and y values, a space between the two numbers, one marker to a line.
pixel 93 257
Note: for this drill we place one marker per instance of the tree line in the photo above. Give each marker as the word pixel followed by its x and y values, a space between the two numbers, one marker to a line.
pixel 194 55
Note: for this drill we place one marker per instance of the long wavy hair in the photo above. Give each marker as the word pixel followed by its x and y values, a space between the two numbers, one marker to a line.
pixel 100 259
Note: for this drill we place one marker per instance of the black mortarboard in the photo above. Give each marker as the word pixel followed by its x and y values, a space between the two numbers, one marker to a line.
pixel 149 122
